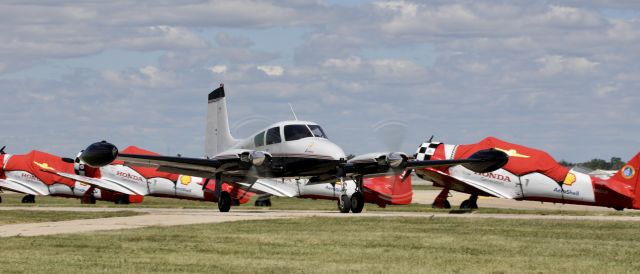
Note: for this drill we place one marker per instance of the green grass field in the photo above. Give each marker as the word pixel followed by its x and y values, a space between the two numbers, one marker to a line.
pixel 30 216
pixel 330 245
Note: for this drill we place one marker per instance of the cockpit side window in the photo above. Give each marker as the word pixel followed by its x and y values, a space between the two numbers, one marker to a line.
pixel 296 132
pixel 259 139
pixel 317 131
pixel 273 136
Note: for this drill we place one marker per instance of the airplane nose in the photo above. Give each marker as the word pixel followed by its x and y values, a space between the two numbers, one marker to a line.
pixel 333 150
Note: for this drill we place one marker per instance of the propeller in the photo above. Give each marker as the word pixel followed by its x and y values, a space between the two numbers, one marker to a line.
pixel 2 150
pixel 408 172
pixel 392 133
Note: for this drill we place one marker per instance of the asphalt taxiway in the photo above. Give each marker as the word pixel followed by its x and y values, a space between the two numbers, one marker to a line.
pixel 170 217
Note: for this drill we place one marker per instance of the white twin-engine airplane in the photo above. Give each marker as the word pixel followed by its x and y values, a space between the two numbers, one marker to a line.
pixel 284 150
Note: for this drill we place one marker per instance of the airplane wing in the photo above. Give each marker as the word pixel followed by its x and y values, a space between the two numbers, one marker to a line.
pixel 462 185
pixel 180 165
pixel 100 183
pixel 376 164
pixel 21 187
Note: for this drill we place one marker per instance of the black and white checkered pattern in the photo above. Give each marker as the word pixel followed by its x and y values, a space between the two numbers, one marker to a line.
pixel 426 150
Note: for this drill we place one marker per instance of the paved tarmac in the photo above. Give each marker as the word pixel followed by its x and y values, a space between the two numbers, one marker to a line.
pixel 170 217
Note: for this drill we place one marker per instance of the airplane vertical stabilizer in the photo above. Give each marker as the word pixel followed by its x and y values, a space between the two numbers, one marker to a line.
pixel 628 174
pixel 218 136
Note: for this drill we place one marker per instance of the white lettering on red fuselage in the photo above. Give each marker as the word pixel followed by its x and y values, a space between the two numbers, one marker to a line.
pixel 129 176
pixel 494 176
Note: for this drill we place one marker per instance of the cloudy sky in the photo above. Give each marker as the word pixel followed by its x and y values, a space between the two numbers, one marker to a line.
pixel 563 76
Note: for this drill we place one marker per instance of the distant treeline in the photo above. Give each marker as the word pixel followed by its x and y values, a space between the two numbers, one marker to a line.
pixel 615 164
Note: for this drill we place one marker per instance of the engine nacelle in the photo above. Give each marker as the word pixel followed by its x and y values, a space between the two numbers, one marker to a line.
pixel 99 154
pixel 256 158
pixel 490 160
pixel 380 162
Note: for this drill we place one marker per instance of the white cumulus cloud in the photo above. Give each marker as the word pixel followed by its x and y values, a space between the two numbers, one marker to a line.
pixel 271 70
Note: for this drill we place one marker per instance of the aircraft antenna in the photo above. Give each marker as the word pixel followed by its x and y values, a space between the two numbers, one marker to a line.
pixel 292 111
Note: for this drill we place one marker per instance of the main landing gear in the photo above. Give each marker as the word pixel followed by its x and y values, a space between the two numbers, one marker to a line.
pixel 224 201
pixel 122 200
pixel 263 201
pixel 88 198
pixel 29 199
pixel 224 197
pixel 441 200
pixel 354 204
pixel 471 203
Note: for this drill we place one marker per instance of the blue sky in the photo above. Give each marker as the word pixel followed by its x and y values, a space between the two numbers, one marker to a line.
pixel 557 75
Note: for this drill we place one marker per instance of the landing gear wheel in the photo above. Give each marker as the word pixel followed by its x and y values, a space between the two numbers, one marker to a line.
pixel 91 200
pixel 28 199
pixel 0 200
pixel 618 208
pixel 224 203
pixel 123 200
pixel 445 205
pixel 467 204
pixel 263 202
pixel 344 204
pixel 357 202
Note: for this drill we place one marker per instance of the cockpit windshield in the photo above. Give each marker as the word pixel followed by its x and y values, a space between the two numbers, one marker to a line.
pixel 296 132
pixel 317 131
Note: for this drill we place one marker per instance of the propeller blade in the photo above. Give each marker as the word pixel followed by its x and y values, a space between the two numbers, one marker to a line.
pixel 392 133
pixel 206 182
pixel 406 175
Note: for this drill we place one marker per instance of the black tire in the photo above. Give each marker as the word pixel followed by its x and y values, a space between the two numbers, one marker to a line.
pixel 224 203
pixel 123 200
pixel 466 204
pixel 618 208
pixel 259 203
pixel 344 204
pixel 91 200
pixel 28 199
pixel 267 203
pixel 446 205
pixel 357 202
pixel 0 200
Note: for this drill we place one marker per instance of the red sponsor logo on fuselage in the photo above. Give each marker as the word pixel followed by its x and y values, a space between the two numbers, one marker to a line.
pixel 494 176
pixel 130 176
pixel 29 176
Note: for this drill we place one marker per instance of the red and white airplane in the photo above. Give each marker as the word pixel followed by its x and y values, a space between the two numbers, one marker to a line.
pixel 530 174
pixel 27 174
pixel 284 150
pixel 143 181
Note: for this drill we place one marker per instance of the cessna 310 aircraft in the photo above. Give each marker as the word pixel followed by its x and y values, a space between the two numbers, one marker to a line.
pixel 530 174
pixel 288 149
